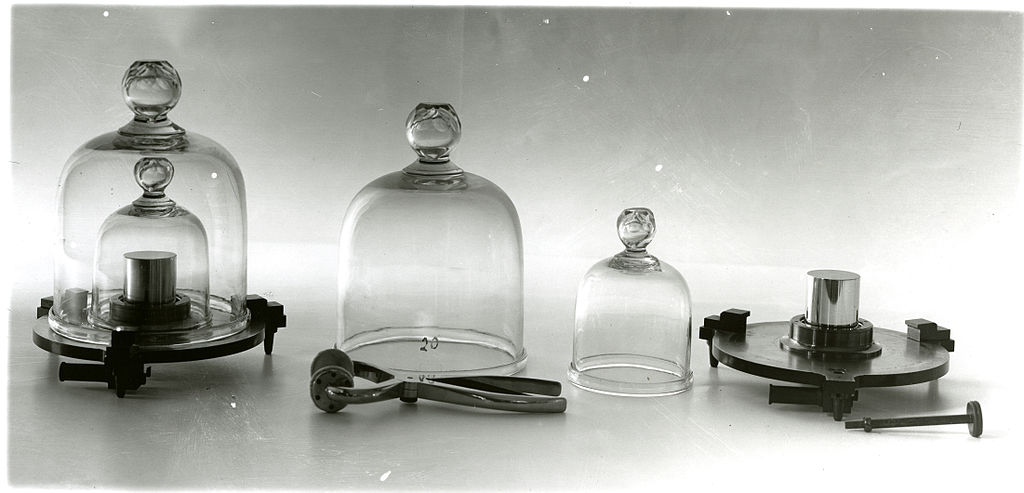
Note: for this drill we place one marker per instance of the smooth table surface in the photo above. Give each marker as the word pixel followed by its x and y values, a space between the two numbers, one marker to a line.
pixel 246 421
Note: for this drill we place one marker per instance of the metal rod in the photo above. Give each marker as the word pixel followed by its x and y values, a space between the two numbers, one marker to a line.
pixel 911 421
pixel 972 419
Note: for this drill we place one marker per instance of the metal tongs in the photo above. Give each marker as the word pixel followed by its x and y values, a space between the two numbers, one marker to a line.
pixel 333 373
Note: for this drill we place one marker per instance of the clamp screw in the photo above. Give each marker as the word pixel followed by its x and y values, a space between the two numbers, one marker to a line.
pixel 972 418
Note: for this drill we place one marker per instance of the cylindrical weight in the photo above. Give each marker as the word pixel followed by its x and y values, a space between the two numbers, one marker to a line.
pixel 833 298
pixel 150 277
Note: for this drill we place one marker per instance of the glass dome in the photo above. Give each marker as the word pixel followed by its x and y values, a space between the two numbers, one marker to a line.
pixel 431 264
pixel 632 334
pixel 172 262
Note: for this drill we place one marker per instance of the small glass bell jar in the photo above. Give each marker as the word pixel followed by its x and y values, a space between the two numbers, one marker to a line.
pixel 431 264
pixel 152 233
pixel 632 333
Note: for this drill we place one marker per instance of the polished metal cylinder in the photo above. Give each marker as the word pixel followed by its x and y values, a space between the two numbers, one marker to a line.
pixel 150 277
pixel 833 298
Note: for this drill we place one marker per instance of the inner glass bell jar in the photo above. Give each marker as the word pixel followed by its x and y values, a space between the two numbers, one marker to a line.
pixel 152 233
pixel 431 264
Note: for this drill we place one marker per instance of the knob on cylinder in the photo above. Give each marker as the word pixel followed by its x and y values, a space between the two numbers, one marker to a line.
pixel 150 277
pixel 833 298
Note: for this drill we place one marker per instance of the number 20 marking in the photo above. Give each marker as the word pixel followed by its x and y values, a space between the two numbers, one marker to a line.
pixel 431 343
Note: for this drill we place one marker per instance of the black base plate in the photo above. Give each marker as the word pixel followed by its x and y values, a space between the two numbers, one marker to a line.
pixel 123 360
pixel 757 349
pixel 53 342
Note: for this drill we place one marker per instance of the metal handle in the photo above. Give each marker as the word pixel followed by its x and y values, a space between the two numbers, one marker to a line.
pixel 366 395
pixel 786 394
pixel 457 394
pixel 463 396
pixel 79 372
pixel 519 385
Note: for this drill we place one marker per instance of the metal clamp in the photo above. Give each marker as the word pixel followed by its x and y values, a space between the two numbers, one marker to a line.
pixel 333 374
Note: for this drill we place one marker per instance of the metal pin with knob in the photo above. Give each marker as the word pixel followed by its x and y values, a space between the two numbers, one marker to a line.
pixel 972 419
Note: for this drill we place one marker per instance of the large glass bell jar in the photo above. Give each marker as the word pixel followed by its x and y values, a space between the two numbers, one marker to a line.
pixel 431 264
pixel 152 233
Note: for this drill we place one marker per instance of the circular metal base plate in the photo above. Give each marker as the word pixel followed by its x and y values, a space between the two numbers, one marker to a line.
pixel 902 361
pixel 49 340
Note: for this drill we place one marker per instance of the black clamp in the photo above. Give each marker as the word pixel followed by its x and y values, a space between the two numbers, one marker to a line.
pixel 268 314
pixel 834 397
pixel 732 321
pixel 921 330
pixel 122 367
pixel 44 306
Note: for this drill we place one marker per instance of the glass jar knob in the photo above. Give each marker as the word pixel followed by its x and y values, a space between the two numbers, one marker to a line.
pixel 636 228
pixel 432 130
pixel 153 174
pixel 151 88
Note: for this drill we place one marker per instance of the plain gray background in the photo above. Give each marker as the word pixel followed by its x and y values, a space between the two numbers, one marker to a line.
pixel 882 142
pixel 767 143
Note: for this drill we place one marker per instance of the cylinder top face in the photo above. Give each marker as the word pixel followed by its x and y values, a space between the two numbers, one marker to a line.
pixel 835 275
pixel 833 298
pixel 150 255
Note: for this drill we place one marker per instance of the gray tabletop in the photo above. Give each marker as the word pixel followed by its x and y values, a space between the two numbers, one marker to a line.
pixel 247 420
